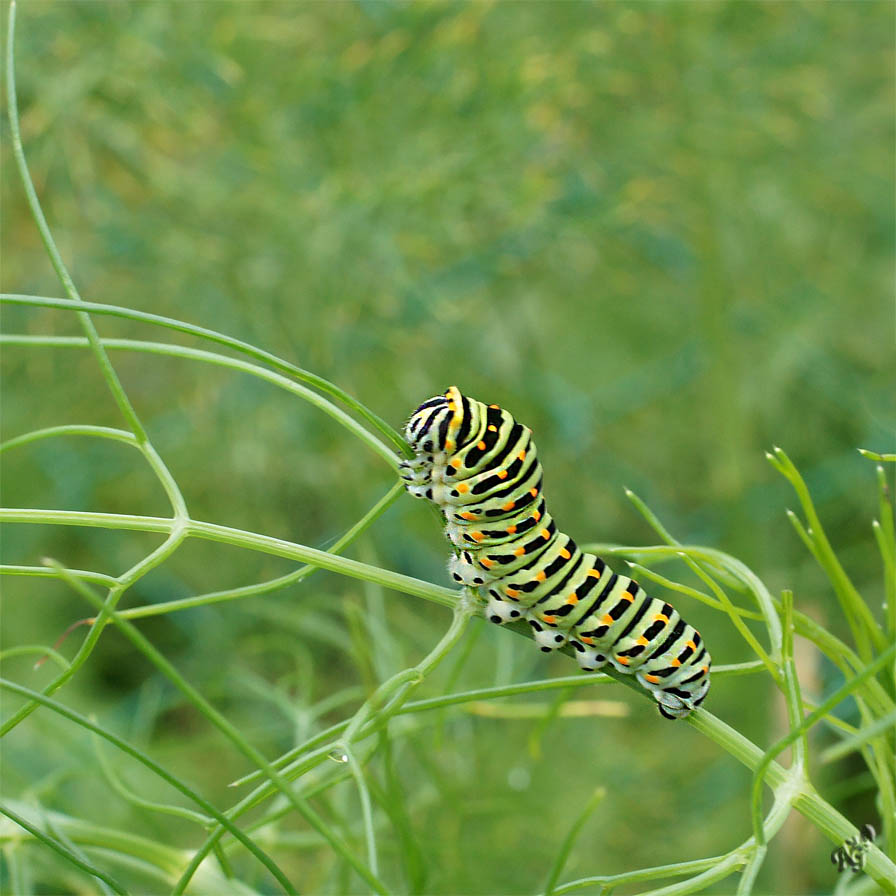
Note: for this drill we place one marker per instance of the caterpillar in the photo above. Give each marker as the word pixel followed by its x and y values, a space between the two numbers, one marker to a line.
pixel 480 467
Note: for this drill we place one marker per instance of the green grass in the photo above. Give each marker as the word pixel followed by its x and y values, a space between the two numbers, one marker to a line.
pixel 660 234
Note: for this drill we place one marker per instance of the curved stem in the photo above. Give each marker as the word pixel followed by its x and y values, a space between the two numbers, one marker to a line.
pixel 196 354
pixel 168 547
pixel 240 538
pixel 109 374
pixel 246 348
pixel 154 767
pixel 62 850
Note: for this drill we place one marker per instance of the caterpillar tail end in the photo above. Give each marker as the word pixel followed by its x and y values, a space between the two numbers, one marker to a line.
pixel 673 707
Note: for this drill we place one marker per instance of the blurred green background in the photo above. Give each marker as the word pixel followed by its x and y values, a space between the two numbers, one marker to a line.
pixel 660 234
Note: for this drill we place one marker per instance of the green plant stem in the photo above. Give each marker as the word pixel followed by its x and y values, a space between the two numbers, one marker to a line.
pixel 704 871
pixel 797 732
pixel 476 695
pixel 231 733
pixel 645 572
pixel 794 704
pixel 107 608
pixel 299 373
pixel 213 597
pixel 112 845
pixel 139 802
pixel 393 692
pixel 42 651
pixel 883 725
pixel 572 835
pixel 154 767
pixel 109 374
pixel 290 578
pixel 884 528
pixel 865 627
pixel 98 578
pixel 239 538
pixel 873 455
pixel 807 801
pixel 803 796
pixel 736 621
pixel 844 658
pixel 608 882
pixel 751 870
pixel 62 850
pixel 97 432
pixel 195 354
pixel 366 810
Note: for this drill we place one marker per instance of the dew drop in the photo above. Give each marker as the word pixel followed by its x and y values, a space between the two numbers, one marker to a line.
pixel 337 756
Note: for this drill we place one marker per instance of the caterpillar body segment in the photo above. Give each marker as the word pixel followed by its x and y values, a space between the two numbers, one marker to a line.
pixel 480 466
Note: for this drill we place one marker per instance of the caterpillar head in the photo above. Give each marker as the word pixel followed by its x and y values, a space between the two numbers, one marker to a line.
pixel 427 429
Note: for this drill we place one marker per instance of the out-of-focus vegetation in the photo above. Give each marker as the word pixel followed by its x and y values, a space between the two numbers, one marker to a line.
pixel 659 234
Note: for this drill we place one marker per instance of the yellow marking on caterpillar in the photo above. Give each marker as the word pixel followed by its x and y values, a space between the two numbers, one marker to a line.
pixel 511 592
pixel 594 573
pixel 481 446
pixel 509 506
pixel 586 640
pixel 608 619
pixel 511 530
pixel 540 576
pixel 495 407
pixel 536 516
pixel 462 487
pixel 502 474
pixel 623 659
pixel 456 462
pixel 573 598
pixel 661 617
pixel 643 641
pixel 545 534
pixel 690 644
pixel 549 619
pixel 676 662
pixel 519 552
pixel 533 492
pixel 522 454
pixel 492 427
pixel 653 679
pixel 477 536
pixel 628 597
pixel 487 563
pixel 449 445
pixel 565 554
pixel 468 516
